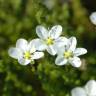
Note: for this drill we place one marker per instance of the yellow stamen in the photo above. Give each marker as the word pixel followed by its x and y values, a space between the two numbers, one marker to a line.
pixel 68 54
pixel 49 41
pixel 27 55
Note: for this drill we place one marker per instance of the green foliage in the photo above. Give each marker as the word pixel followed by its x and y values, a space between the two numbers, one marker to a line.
pixel 18 19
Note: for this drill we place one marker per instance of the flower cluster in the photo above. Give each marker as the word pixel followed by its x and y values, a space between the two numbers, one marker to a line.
pixel 51 41
pixel 88 90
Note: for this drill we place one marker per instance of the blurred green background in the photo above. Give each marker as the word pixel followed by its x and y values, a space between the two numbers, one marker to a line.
pixel 18 19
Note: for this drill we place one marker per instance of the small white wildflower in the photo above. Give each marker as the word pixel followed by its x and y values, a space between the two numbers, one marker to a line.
pixel 88 90
pixel 25 52
pixel 49 3
pixel 69 53
pixel 93 18
pixel 50 39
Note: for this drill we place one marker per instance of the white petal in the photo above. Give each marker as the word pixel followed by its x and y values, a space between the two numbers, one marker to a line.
pixel 60 50
pixel 60 45
pixel 15 53
pixel 80 51
pixel 31 46
pixel 49 4
pixel 55 31
pixel 51 50
pixel 90 88
pixel 22 44
pixel 75 61
pixel 61 41
pixel 37 55
pixel 60 60
pixel 32 49
pixel 39 44
pixel 72 44
pixel 42 32
pixel 23 61
pixel 93 18
pixel 78 92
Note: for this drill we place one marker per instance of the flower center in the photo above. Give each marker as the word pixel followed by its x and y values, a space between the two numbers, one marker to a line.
pixel 27 55
pixel 49 41
pixel 68 54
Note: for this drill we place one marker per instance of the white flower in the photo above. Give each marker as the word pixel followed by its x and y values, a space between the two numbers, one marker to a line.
pixel 88 90
pixel 25 52
pixel 50 40
pixel 49 3
pixel 93 18
pixel 69 53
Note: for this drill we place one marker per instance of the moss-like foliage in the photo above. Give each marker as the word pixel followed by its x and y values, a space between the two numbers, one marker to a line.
pixel 18 19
